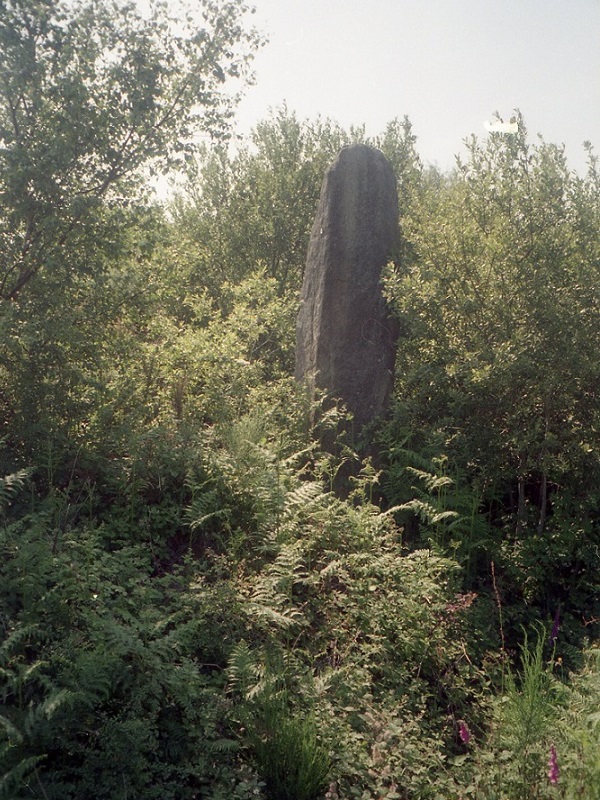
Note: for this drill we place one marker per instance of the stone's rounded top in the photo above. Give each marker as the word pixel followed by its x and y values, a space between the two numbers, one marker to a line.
pixel 364 155
pixel 358 147
pixel 360 169
pixel 358 150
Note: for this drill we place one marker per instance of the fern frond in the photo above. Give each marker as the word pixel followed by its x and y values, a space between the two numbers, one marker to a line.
pixel 283 620
pixel 221 746
pixel 10 485
pixel 333 568
pixel 56 700
pixel 408 457
pixel 22 633
pixel 15 777
pixel 432 482
pixel 428 513
pixel 303 496
pixel 241 668
pixel 13 734
pixel 291 461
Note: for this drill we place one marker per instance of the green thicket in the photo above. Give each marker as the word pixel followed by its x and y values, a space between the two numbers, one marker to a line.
pixel 186 608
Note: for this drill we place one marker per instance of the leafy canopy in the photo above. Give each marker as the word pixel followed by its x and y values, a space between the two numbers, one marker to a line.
pixel 89 94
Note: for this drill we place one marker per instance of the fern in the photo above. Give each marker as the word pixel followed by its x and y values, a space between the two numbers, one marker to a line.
pixel 303 497
pixel 433 482
pixel 285 742
pixel 290 757
pixel 283 620
pixel 427 512
pixel 16 777
pixel 17 638
pixel 24 736
pixel 10 485
pixel 12 733
pixel 272 598
pixel 205 505
pixel 241 669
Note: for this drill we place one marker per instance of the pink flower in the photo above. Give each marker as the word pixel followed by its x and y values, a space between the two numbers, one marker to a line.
pixel 464 733
pixel 553 771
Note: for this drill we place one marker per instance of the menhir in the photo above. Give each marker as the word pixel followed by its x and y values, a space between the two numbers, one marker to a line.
pixel 345 337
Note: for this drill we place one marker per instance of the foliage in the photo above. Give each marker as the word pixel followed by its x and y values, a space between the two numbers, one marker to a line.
pixel 92 96
pixel 111 679
pixel 357 632
pixel 103 658
pixel 256 207
pixel 578 731
pixel 500 312
pixel 543 737
pixel 90 93
pixel 519 738
pixel 502 305
pixel 188 609
pixel 292 760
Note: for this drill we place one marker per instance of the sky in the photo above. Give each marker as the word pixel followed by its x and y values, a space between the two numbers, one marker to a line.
pixel 446 64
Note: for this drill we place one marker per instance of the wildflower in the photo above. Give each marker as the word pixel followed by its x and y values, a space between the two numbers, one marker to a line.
pixel 555 627
pixel 553 771
pixel 464 733
pixel 332 792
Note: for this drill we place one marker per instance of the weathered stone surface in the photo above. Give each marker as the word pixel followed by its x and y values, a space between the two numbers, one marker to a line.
pixel 345 339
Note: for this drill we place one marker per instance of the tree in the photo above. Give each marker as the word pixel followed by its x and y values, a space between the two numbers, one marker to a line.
pixel 502 310
pixel 256 207
pixel 93 98
pixel 89 94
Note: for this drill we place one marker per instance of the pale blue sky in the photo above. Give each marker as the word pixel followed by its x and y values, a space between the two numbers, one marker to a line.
pixel 447 64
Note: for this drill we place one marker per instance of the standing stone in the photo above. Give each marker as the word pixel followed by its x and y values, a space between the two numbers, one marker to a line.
pixel 345 338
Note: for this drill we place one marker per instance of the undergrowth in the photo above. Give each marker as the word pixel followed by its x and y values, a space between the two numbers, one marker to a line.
pixel 278 642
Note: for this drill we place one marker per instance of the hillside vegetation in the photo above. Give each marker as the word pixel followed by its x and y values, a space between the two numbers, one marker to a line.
pixel 187 608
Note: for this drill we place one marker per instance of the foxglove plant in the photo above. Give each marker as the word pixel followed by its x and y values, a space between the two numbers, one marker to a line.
pixel 553 770
pixel 464 733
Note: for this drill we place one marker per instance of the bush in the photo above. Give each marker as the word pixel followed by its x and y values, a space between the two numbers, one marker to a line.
pixel 111 678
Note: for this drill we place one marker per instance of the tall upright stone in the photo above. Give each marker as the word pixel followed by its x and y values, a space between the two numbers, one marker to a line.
pixel 345 338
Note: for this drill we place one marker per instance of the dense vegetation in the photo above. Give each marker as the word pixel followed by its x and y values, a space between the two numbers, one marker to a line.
pixel 186 608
